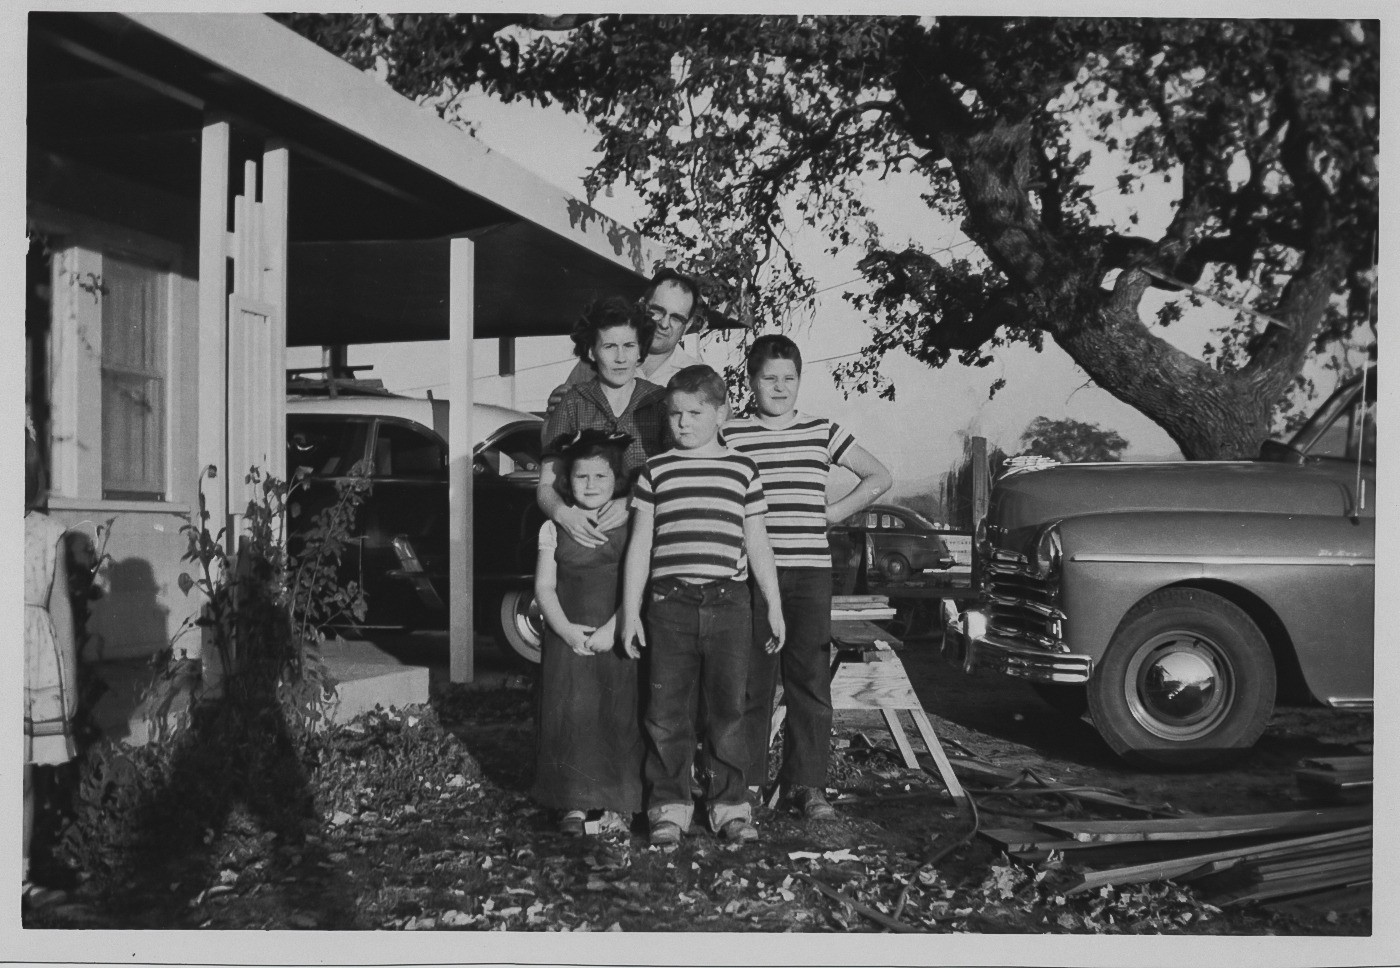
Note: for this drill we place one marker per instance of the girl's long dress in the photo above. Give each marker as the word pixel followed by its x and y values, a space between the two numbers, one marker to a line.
pixel 588 745
pixel 50 685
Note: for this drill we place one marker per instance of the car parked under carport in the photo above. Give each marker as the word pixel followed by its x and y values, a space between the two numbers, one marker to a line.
pixel 401 537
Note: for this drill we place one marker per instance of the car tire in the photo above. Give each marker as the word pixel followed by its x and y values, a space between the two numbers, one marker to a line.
pixel 895 567
pixel 1070 701
pixel 1183 634
pixel 519 626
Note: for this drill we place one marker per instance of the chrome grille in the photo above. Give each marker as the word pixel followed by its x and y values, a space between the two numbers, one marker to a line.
pixel 1021 605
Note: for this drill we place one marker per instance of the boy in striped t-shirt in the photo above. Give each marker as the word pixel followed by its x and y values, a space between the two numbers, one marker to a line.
pixel 794 453
pixel 697 527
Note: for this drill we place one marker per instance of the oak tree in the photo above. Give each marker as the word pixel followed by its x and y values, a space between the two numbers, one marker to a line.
pixel 737 130
pixel 1070 441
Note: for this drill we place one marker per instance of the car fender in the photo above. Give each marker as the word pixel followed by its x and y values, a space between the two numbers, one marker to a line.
pixel 1316 574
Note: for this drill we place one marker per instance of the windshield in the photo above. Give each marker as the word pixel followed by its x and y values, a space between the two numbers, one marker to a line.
pixel 1344 426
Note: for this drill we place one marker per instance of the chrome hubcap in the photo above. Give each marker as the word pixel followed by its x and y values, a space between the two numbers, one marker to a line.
pixel 529 624
pixel 1180 685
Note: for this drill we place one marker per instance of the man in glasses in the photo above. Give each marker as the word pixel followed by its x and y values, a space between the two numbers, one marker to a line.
pixel 673 301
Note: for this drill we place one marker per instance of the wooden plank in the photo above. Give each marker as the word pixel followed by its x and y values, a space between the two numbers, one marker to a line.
pixel 1339 763
pixel 882 614
pixel 1201 828
pixel 1337 787
pixel 900 739
pixel 1302 885
pixel 854 601
pixel 1341 900
pixel 872 685
pixel 1337 778
pixel 1014 841
pixel 1198 865
pixel 935 748
pixel 858 633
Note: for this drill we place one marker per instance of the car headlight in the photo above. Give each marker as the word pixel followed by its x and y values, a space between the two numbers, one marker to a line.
pixel 1046 557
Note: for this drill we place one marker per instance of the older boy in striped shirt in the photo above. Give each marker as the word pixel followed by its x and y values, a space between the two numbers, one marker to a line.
pixel 697 525
pixel 794 453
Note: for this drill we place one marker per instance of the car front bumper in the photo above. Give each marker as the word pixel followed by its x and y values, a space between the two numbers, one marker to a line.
pixel 967 643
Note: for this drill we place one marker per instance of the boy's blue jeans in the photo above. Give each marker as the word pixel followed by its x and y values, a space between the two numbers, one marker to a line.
pixel 699 638
pixel 804 669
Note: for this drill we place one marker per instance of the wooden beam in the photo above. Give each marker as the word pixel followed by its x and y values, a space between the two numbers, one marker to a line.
pixel 935 748
pixel 276 179
pixel 1201 828
pixel 1181 867
pixel 461 329
pixel 213 320
pixel 906 751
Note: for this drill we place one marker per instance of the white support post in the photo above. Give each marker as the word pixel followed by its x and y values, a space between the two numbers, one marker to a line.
pixel 213 307
pixel 461 330
pixel 276 169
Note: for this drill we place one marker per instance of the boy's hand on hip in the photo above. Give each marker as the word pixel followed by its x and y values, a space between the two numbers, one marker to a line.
pixel 576 522
pixel 575 636
pixel 777 629
pixel 633 638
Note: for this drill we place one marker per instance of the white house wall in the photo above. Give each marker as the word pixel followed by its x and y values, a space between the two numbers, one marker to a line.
pixel 142 606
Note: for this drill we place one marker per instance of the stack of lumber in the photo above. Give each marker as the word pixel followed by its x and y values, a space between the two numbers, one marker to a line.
pixel 1323 851
pixel 1340 779
pixel 867 608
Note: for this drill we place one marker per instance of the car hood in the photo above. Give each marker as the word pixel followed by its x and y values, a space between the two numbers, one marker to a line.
pixel 1031 497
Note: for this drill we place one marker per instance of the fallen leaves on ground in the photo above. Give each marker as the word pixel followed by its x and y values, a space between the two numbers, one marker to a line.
pixel 424 824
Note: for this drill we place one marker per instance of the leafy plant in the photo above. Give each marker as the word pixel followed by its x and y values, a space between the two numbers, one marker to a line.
pixel 216 740
pixel 267 606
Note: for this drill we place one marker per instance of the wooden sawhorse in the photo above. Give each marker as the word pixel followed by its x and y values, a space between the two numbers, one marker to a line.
pixel 866 674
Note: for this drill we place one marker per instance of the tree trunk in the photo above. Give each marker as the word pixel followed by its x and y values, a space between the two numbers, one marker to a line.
pixel 1208 414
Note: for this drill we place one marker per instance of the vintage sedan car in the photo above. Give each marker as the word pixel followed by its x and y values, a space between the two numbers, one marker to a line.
pixel 401 554
pixel 903 541
pixel 1176 600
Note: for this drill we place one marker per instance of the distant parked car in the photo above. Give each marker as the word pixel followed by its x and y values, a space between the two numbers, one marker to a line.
pixel 903 541
pixel 401 555
pixel 1174 600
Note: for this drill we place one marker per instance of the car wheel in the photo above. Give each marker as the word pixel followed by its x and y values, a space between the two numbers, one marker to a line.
pixel 520 625
pixel 1187 680
pixel 895 567
pixel 1071 701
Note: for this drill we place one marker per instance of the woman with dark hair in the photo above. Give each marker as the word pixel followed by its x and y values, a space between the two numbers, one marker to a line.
pixel 588 739
pixel 50 656
pixel 613 336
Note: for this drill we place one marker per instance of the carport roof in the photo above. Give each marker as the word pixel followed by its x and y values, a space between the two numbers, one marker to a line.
pixel 378 185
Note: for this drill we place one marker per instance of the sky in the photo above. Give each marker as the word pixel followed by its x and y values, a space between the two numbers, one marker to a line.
pixel 950 402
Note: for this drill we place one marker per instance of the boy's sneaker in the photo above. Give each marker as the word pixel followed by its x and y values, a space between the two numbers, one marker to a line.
pixel 571 824
pixel 664 833
pixel 739 831
pixel 811 803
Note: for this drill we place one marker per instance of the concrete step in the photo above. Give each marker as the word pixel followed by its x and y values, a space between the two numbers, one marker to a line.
pixel 365 674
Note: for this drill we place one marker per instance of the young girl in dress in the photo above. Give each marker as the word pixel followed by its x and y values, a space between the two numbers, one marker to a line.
pixel 50 656
pixel 589 748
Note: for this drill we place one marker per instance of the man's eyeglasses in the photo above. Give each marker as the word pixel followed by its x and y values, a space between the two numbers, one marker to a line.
pixel 658 313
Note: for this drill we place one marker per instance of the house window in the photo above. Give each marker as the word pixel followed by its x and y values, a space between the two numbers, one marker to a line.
pixel 113 367
pixel 135 313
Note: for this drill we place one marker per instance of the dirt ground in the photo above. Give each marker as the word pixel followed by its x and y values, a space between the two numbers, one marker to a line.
pixel 423 821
